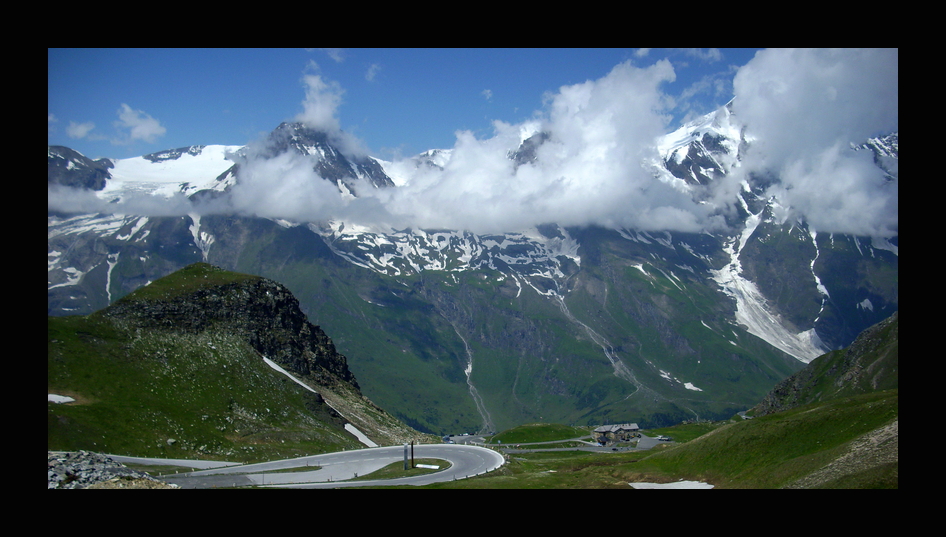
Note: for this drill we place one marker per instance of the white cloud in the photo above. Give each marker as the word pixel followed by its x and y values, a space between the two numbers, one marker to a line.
pixel 140 126
pixel 804 108
pixel 488 94
pixel 285 186
pixel 372 72
pixel 79 130
pixel 322 99
pixel 336 54
pixel 710 54
pixel 840 191
pixel 589 171
pixel 320 112
pixel 80 200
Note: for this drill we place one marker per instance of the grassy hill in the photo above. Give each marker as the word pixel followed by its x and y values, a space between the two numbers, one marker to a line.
pixel 150 387
pixel 201 396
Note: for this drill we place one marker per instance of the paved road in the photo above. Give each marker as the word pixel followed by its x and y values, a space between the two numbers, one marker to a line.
pixel 334 468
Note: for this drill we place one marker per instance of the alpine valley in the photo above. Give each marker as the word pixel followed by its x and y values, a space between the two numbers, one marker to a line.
pixel 452 331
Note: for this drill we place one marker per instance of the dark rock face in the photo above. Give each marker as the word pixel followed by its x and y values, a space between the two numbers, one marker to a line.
pixel 527 150
pixel 174 154
pixel 699 167
pixel 264 312
pixel 67 167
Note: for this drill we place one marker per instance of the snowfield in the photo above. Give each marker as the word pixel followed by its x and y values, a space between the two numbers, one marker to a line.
pixel 186 174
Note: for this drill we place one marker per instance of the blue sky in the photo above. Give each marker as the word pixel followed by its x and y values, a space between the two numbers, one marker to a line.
pixel 120 103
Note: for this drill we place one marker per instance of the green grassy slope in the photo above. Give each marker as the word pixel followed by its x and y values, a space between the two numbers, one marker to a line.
pixel 207 395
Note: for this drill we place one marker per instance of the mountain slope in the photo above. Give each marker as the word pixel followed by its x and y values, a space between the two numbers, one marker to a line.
pixel 870 364
pixel 186 367
pixel 834 424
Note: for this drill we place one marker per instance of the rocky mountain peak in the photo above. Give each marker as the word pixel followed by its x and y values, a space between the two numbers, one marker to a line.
pixel 332 164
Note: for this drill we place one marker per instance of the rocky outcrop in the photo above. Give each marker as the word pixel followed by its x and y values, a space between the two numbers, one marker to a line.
pixel 84 469
pixel 263 312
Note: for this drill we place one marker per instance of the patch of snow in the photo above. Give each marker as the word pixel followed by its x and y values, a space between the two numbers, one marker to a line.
pixel 881 243
pixel 348 426
pixel 752 310
pixel 202 239
pixel 112 260
pixel 359 435
pixel 73 277
pixel 677 485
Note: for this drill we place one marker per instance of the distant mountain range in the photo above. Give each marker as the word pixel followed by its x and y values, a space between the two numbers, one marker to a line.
pixel 454 331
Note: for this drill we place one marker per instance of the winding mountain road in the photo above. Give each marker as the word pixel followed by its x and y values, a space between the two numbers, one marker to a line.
pixel 335 468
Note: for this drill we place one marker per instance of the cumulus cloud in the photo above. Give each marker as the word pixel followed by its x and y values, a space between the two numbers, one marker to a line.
pixel 139 126
pixel 590 170
pixel 840 191
pixel 803 109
